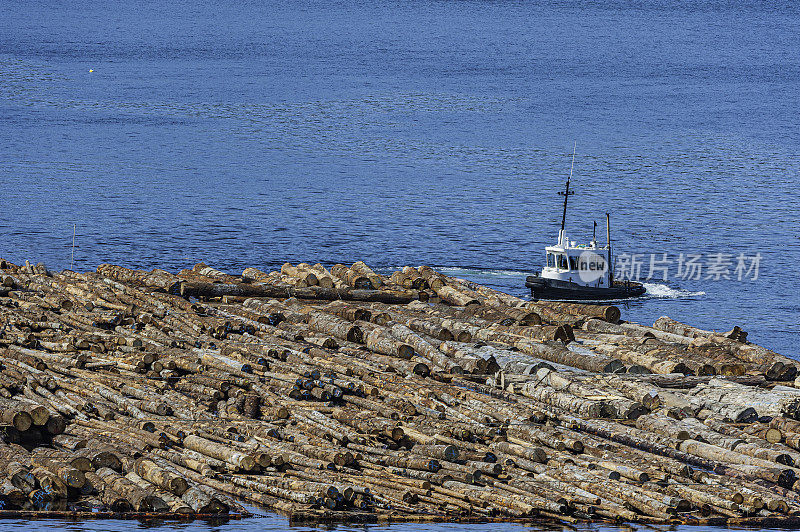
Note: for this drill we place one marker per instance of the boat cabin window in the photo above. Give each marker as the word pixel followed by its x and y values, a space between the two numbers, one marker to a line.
pixel 562 262
pixel 551 261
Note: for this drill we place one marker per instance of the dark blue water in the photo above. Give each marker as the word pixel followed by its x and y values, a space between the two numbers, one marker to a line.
pixel 436 132
pixel 415 132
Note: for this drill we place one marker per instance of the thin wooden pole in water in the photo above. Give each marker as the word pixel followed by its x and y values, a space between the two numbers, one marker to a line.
pixel 72 258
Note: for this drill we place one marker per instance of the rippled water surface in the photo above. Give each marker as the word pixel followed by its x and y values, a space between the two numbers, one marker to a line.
pixel 270 523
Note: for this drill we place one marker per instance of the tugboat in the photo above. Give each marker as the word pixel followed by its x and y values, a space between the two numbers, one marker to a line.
pixel 580 272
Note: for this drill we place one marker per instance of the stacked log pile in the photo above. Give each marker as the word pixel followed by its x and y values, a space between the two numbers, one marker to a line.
pixel 342 394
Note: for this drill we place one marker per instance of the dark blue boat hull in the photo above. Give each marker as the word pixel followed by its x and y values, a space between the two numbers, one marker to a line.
pixel 542 288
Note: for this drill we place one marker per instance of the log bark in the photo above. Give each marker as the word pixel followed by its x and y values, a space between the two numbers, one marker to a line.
pixel 157 279
pixel 140 500
pixel 608 313
pixel 305 277
pixel 210 290
pixel 220 452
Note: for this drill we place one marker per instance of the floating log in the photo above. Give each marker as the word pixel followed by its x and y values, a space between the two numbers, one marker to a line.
pixel 666 324
pixel 608 313
pixel 218 290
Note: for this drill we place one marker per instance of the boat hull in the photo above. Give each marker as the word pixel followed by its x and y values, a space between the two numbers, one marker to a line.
pixel 542 288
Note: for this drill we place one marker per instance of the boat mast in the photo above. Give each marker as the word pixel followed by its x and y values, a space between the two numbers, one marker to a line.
pixel 567 193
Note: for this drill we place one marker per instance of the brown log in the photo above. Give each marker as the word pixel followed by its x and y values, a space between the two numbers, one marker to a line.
pixel 140 500
pixel 308 278
pixel 608 313
pixel 352 277
pixel 360 268
pixel 15 414
pixel 453 296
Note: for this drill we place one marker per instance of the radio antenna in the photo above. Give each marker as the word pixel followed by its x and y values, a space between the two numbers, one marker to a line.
pixel 567 193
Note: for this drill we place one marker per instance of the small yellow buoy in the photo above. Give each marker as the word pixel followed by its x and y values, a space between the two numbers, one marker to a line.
pixel 91 70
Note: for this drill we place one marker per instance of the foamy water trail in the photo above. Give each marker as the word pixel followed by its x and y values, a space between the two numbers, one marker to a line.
pixel 662 291
pixel 461 272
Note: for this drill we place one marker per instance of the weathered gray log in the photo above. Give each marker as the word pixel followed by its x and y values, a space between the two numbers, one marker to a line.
pixel 159 279
pixel 424 349
pixel 161 477
pixel 334 326
pixel 535 454
pixel 219 451
pixel 648 395
pixel 669 325
pixel 562 400
pixel 202 289
pixel 578 358
pixel 730 399
pixel 380 341
pixel 613 405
